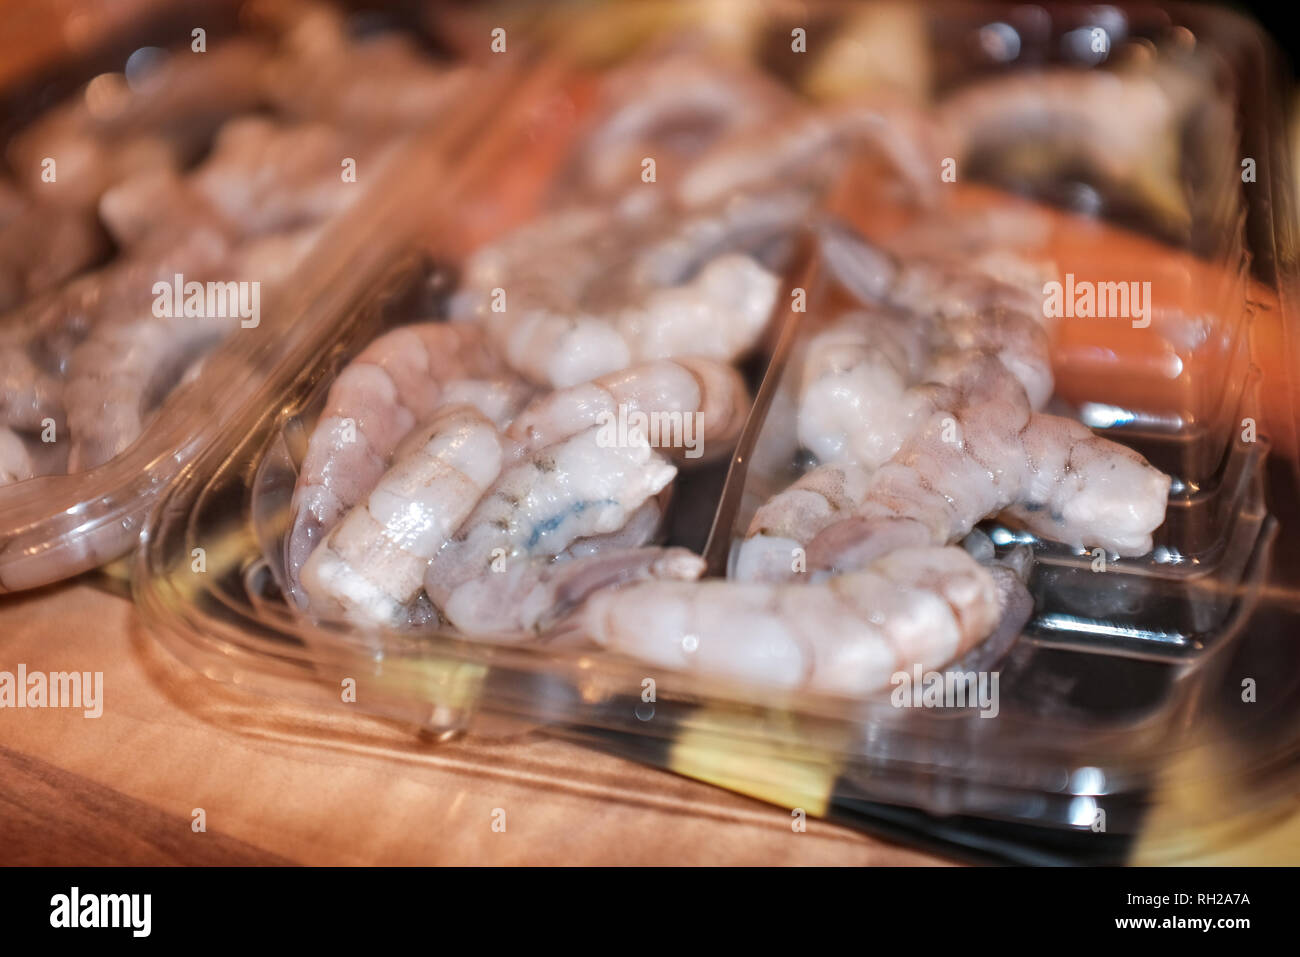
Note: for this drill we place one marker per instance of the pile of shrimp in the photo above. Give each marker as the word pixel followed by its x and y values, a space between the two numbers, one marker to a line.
pixel 462 474
pixel 220 165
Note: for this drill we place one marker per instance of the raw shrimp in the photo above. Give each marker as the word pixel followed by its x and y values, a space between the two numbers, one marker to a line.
pixel 586 292
pixel 370 567
pixel 379 83
pixel 583 482
pixel 158 118
pixel 844 635
pixel 37 346
pixel 720 313
pixel 857 400
pixel 693 408
pixel 854 404
pixel 396 382
pixel 574 489
pixel 154 207
pixel 758 224
pixel 121 372
pixel 131 360
pixel 260 177
pixel 530 597
pixel 809 147
pixel 174 98
pixel 267 177
pixel 965 305
pixel 37 353
pixel 978 458
pixel 670 109
pixel 85 163
pixel 499 397
pixel 982 450
pixel 867 438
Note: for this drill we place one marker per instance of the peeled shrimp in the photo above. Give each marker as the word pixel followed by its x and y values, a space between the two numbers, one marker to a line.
pixel 671 109
pixel 568 484
pixel 261 178
pixel 694 408
pixel 854 403
pixel 266 177
pixel 179 97
pixel 844 635
pixel 529 597
pixel 121 371
pixel 85 163
pixel 977 459
pixel 132 359
pixel 154 207
pixel 154 122
pixel 810 147
pixel 582 482
pixel 39 339
pixel 379 83
pixel 74 354
pixel 982 450
pixel 720 313
pixel 859 397
pixel 967 305
pixel 587 292
pixel 394 383
pixel 570 490
pixel 371 565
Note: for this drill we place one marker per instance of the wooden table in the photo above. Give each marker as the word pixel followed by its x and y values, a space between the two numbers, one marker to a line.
pixel 279 783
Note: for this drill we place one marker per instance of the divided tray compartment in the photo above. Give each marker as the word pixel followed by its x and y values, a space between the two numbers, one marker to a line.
pixel 1150 606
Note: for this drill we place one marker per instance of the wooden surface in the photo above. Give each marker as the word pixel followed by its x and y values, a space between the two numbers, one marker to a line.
pixel 282 784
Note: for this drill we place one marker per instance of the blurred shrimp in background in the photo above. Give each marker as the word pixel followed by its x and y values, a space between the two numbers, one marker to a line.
pixel 216 156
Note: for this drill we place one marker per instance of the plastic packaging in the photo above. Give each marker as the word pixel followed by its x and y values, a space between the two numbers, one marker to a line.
pixel 55 526
pixel 1124 679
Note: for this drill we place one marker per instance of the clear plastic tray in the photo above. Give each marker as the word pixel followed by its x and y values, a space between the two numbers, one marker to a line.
pixel 56 526
pixel 1120 683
